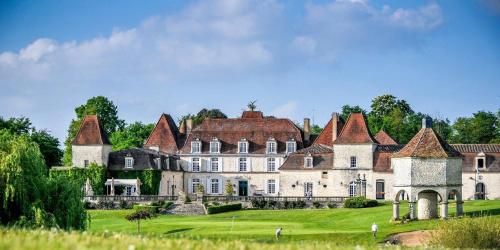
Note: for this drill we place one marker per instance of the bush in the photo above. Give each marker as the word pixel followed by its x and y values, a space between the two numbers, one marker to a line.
pixel 359 202
pixel 167 205
pixel 150 208
pixel 272 204
pixel 332 205
pixel 105 205
pixel 259 203
pixel 224 208
pixel 300 204
pixel 317 204
pixel 477 233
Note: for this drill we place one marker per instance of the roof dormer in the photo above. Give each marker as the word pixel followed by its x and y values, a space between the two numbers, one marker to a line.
pixel 215 146
pixel 271 146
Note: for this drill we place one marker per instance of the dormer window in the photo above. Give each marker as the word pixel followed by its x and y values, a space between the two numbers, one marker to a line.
pixel 481 161
pixel 196 146
pixel 215 146
pixel 354 162
pixel 291 146
pixel 308 161
pixel 129 162
pixel 271 147
pixel 243 146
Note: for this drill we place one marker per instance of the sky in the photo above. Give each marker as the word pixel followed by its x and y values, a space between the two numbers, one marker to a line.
pixel 296 58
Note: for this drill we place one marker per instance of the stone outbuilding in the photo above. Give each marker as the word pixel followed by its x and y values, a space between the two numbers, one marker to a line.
pixel 429 171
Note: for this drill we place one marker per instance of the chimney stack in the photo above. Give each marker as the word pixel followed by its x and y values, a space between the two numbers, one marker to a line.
pixel 426 122
pixel 182 127
pixel 307 130
pixel 189 126
pixel 335 122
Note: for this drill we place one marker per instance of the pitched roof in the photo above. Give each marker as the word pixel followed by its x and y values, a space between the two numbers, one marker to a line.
pixel 315 149
pixel 322 158
pixel 165 135
pixel 476 148
pixel 355 131
pixel 325 137
pixel 229 131
pixel 384 138
pixel 427 144
pixel 143 159
pixel 252 114
pixel 91 132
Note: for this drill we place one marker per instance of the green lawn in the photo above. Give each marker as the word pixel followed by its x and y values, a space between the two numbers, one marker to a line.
pixel 339 226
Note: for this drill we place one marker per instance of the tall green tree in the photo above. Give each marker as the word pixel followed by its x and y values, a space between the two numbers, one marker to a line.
pixel 316 129
pixel 16 126
pixel 202 114
pixel 132 135
pixel 49 147
pixel 347 110
pixel 383 105
pixel 107 112
pixel 480 128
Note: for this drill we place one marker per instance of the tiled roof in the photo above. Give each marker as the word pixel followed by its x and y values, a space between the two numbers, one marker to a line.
pixel 143 159
pixel 256 131
pixel 476 148
pixel 325 137
pixel 316 149
pixel 252 114
pixel 321 161
pixel 427 144
pixel 165 135
pixel 382 161
pixel 383 137
pixel 389 148
pixel 90 132
pixel 355 131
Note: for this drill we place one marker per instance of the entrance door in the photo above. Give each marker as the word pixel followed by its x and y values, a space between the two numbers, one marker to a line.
pixel 480 191
pixel 243 188
pixel 308 189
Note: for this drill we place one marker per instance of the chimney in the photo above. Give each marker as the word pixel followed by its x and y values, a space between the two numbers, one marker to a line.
pixel 189 126
pixel 182 127
pixel 335 122
pixel 307 130
pixel 426 122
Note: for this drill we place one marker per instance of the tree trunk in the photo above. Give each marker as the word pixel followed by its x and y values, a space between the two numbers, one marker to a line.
pixel 138 226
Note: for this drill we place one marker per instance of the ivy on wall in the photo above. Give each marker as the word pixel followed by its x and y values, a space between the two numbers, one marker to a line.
pixel 95 173
pixel 150 179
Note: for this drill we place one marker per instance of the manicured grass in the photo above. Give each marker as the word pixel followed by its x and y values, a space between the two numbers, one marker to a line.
pixel 338 226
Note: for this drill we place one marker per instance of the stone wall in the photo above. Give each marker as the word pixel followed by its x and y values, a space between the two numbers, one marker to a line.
pixel 362 152
pixel 292 183
pixel 171 183
pixel 490 180
pixel 93 153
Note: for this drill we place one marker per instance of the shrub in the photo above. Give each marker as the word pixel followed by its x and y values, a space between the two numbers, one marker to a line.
pixel 300 204
pixel 359 202
pixel 272 204
pixel 105 205
pixel 332 205
pixel 167 205
pixel 138 216
pixel 259 203
pixel 224 208
pixel 317 204
pixel 477 233
pixel 150 208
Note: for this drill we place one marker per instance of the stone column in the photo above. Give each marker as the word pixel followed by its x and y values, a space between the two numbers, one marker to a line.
pixel 413 211
pixel 460 208
pixel 395 210
pixel 444 210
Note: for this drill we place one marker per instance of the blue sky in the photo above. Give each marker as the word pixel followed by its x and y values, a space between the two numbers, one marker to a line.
pixel 297 59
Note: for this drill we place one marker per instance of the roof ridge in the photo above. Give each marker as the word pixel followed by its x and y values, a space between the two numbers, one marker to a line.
pixel 418 142
pixel 440 142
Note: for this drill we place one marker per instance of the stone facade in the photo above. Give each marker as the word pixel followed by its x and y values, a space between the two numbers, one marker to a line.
pixel 88 154
pixel 171 183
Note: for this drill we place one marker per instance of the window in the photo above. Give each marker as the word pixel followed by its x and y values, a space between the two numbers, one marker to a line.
pixel 352 189
pixel 128 190
pixel 271 186
pixel 85 163
pixel 214 186
pixel 291 146
pixel 129 162
pixel 480 163
pixel 480 160
pixel 271 164
pixel 243 164
pixel 214 146
pixel 271 146
pixel 380 190
pixel 243 146
pixel 308 161
pixel 214 164
pixel 195 165
pixel 195 184
pixel 353 161
pixel 196 146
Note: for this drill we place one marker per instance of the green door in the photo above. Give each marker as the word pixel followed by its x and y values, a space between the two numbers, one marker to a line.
pixel 243 188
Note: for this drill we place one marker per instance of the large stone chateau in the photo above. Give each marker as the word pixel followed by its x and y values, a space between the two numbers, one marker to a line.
pixel 267 156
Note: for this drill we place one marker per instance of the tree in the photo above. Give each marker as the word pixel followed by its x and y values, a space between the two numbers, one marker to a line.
pixel 139 215
pixel 480 128
pixel 108 116
pixel 49 147
pixel 229 188
pixel 316 129
pixel 202 114
pixel 251 105
pixel 132 135
pixel 16 126
pixel 383 105
pixel 442 127
pixel 347 110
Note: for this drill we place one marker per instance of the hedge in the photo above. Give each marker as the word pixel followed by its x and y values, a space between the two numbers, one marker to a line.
pixel 151 209
pixel 359 202
pixel 96 174
pixel 150 179
pixel 224 208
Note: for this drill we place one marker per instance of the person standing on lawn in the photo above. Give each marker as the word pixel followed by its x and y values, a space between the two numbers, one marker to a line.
pixel 278 233
pixel 374 230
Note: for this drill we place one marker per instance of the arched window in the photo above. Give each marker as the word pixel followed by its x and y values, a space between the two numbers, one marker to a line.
pixel 480 191
pixel 352 189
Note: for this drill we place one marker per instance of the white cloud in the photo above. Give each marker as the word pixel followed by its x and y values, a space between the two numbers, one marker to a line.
pixel 286 110
pixel 424 18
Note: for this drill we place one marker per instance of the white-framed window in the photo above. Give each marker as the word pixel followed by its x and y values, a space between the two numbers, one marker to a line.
pixel 308 161
pixel 196 146
pixel 195 165
pixel 271 164
pixel 195 183
pixel 242 163
pixel 353 162
pixel 85 163
pixel 352 189
pixel 481 161
pixel 214 164
pixel 271 186
pixel 243 146
pixel 215 146
pixel 380 189
pixel 291 146
pixel 271 147
pixel 214 186
pixel 129 162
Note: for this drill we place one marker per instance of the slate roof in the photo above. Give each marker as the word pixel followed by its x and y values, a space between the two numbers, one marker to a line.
pixel 427 144
pixel 322 158
pixel 477 148
pixel 165 135
pixel 143 159
pixel 257 131
pixel 91 132
pixel 383 137
pixel 325 137
pixel 355 131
